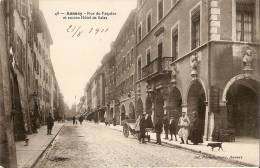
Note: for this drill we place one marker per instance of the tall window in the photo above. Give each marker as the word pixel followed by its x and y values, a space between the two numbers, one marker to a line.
pixel 175 44
pixel 148 56
pixel 149 22
pixel 139 68
pixel 140 32
pixel 160 9
pixel 160 54
pixel 244 22
pixel 195 28
pixel 132 56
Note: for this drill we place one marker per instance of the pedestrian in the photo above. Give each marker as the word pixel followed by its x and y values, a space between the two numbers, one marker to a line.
pixel 114 121
pixel 149 122
pixel 74 120
pixel 137 127
pixel 166 126
pixel 142 128
pixel 184 123
pixel 80 120
pixel 50 123
pixel 173 128
pixel 158 130
pixel 196 130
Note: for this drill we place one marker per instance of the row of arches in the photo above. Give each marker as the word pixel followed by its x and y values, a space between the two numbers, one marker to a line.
pixel 242 105
pixel 130 114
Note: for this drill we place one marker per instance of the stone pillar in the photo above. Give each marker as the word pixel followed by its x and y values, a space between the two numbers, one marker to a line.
pixel 223 118
pixel 7 144
pixel 184 108
pixel 206 123
pixel 211 125
pixel 152 116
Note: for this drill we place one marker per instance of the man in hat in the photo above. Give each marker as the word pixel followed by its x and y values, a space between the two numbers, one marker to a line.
pixel 142 128
pixel 184 123
pixel 173 128
pixel 50 123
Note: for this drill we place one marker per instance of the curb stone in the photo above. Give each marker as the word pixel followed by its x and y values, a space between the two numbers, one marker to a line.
pixel 38 158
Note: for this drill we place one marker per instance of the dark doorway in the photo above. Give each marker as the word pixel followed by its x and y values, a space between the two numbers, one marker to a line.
pixel 242 106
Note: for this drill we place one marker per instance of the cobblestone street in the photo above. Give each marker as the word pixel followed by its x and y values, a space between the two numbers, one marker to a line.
pixel 91 145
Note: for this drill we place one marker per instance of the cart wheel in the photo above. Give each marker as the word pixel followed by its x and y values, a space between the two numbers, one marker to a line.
pixel 125 131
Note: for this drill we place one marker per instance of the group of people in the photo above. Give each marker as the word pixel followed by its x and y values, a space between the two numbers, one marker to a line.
pixel 143 122
pixel 185 128
pixel 74 120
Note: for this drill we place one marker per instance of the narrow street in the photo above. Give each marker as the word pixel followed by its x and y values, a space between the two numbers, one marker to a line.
pixel 91 145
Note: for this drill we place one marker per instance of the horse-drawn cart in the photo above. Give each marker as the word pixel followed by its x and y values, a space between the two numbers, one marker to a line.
pixel 129 127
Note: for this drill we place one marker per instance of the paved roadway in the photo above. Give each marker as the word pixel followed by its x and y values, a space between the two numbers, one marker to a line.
pixel 91 145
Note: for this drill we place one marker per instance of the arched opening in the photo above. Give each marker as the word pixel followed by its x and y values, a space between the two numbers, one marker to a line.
pixel 131 111
pixel 139 107
pixel 196 103
pixel 176 102
pixel 111 114
pixel 123 114
pixel 242 107
pixel 158 107
pixel 148 105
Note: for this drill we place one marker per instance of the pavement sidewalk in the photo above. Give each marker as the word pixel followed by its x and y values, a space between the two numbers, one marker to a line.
pixel 27 156
pixel 240 152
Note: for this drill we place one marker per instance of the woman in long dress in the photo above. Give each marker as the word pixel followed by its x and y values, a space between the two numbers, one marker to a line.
pixel 184 123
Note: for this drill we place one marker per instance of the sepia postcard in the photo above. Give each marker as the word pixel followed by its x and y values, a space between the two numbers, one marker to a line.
pixel 129 83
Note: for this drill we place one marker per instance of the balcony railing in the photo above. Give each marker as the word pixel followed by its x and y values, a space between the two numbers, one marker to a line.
pixel 159 65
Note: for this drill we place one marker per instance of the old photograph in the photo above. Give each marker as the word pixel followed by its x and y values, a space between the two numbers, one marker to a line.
pixel 129 83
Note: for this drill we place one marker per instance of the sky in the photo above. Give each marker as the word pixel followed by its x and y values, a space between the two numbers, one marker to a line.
pixel 78 47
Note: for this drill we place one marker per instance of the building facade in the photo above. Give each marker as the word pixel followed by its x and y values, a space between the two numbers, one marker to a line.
pixel 33 82
pixel 196 56
pixel 123 49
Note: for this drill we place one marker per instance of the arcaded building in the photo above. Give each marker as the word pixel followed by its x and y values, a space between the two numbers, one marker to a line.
pixel 202 57
pixel 123 49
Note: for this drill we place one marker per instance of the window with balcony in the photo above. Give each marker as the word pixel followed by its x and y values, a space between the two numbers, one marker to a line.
pixel 175 46
pixel 148 56
pixel 244 22
pixel 195 28
pixel 139 68
pixel 160 9
pixel 149 22
pixel 140 32
pixel 160 54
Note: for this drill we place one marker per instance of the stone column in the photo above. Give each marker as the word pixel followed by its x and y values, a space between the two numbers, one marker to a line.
pixel 211 125
pixel 224 114
pixel 184 108
pixel 7 144
pixel 205 136
pixel 153 113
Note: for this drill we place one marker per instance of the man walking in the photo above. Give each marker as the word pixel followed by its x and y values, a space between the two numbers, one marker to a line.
pixel 50 123
pixel 74 120
pixel 173 128
pixel 142 128
pixel 158 130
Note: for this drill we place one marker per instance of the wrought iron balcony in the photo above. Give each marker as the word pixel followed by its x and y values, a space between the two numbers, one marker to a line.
pixel 157 66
